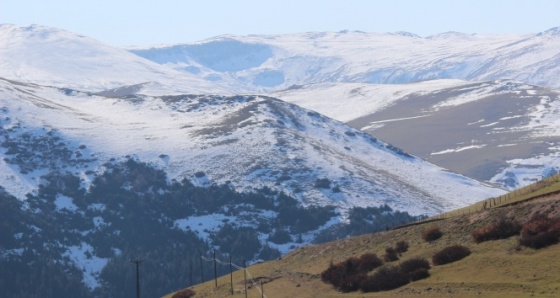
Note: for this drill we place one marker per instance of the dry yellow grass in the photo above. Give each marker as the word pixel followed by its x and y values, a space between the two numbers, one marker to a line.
pixel 494 269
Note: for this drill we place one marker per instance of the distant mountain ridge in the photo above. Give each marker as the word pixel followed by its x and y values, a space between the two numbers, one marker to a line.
pixel 262 62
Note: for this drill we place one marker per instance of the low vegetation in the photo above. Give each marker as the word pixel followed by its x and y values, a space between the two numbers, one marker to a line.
pixel 393 253
pixel 401 247
pixel 431 234
pixel 348 275
pixel 450 254
pixel 353 274
pixel 186 293
pixel 384 279
pixel 502 228
pixel 369 261
pixel 390 255
pixel 540 231
pixel 416 268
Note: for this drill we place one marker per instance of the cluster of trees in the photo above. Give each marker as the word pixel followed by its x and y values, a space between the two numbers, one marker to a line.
pixel 366 220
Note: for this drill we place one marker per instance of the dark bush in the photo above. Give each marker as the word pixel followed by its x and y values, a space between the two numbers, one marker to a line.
pixel 368 262
pixel 412 265
pixel 540 231
pixel 450 254
pixel 333 275
pixel 384 279
pixel 347 275
pixel 280 237
pixel 351 283
pixel 501 229
pixel 351 265
pixel 418 274
pixel 342 275
pixel 323 183
pixel 186 293
pixel 431 234
pixel 390 255
pixel 401 246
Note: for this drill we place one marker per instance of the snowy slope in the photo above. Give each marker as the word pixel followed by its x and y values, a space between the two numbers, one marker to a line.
pixel 504 132
pixel 348 101
pixel 280 61
pixel 55 57
pixel 248 141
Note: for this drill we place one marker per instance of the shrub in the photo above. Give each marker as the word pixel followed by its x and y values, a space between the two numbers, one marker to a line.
pixel 390 255
pixel 418 274
pixel 186 293
pixel 412 265
pixel 347 275
pixel 369 261
pixel 401 246
pixel 280 237
pixel 501 229
pixel 384 279
pixel 450 254
pixel 540 231
pixel 343 276
pixel 351 283
pixel 333 275
pixel 431 234
pixel 323 183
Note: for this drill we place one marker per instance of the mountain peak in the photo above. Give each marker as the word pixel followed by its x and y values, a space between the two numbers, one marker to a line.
pixel 406 34
pixel 552 32
pixel 55 57
pixel 451 35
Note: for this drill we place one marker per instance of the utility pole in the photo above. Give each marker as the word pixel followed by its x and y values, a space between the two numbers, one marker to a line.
pixel 231 275
pixel 245 275
pixel 215 271
pixel 201 270
pixel 137 262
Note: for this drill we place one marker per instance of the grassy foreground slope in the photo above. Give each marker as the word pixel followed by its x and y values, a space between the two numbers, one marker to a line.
pixel 498 268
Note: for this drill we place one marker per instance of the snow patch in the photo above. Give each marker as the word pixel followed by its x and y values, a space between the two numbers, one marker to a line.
pixel 83 257
pixel 458 149
pixel 64 203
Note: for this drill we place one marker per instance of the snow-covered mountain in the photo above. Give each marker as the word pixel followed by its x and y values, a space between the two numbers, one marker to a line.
pixel 276 62
pixel 100 179
pixel 106 155
pixel 247 141
pixel 54 57
pixel 504 132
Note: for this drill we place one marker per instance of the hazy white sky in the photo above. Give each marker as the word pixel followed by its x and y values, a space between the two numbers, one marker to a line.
pixel 145 22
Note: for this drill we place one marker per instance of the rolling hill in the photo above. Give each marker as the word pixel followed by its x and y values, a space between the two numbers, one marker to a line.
pixel 493 269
